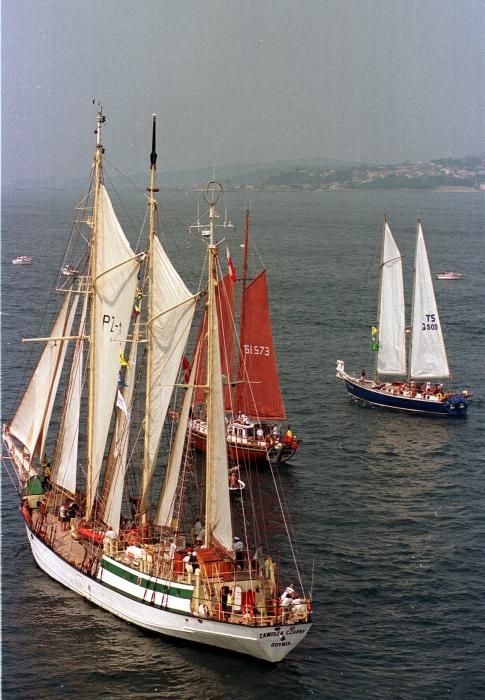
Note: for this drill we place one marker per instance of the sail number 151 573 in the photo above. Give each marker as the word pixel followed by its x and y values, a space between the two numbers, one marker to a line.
pixel 430 324
pixel 256 350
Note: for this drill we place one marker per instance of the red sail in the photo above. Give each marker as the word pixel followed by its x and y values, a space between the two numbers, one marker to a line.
pixel 258 391
pixel 225 316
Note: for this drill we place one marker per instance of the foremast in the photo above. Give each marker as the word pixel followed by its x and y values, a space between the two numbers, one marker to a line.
pixel 379 300
pixel 98 169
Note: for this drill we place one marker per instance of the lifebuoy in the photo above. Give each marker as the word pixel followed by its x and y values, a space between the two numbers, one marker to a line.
pixel 439 396
pixel 133 537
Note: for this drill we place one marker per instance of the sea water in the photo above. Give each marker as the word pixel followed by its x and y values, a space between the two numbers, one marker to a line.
pixel 388 510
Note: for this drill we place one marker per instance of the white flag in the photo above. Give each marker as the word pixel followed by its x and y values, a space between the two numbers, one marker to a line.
pixel 121 403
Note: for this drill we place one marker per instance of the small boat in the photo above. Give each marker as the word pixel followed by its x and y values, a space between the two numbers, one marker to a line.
pixel 406 381
pixel 22 260
pixel 69 271
pixel 252 394
pixel 449 276
pixel 158 537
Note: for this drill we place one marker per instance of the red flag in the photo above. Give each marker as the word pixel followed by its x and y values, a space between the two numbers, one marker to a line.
pixel 230 264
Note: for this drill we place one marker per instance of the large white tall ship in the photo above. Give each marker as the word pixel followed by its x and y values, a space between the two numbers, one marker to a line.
pixel 411 365
pixel 117 505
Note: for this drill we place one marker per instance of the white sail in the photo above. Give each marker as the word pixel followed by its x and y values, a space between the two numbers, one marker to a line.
pixel 32 418
pixel 115 282
pixel 119 456
pixel 165 506
pixel 171 312
pixel 428 354
pixel 66 458
pixel 391 356
pixel 218 515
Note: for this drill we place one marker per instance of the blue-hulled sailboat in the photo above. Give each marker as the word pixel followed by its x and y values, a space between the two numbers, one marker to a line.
pixel 407 381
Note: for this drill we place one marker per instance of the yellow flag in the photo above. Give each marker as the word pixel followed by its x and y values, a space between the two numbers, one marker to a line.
pixel 123 362
pixel 374 330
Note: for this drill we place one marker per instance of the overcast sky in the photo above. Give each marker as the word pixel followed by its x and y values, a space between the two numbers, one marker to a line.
pixel 238 81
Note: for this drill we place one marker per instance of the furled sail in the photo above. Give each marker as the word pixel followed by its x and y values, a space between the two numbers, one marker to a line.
pixel 66 453
pixel 115 282
pixel 391 357
pixel 171 312
pixel 218 511
pixel 258 391
pixel 428 354
pixel 32 418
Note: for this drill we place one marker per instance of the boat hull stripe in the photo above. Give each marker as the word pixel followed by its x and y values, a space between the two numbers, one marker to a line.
pixel 146 582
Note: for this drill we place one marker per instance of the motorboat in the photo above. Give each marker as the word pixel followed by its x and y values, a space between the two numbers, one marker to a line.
pixel 449 276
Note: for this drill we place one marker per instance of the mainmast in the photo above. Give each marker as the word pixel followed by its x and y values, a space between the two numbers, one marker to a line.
pixel 98 169
pixel 378 315
pixel 152 203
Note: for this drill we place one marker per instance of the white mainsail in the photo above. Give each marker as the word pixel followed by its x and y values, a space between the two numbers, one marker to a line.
pixel 166 503
pixel 391 356
pixel 171 312
pixel 32 418
pixel 428 355
pixel 119 452
pixel 66 455
pixel 218 510
pixel 115 282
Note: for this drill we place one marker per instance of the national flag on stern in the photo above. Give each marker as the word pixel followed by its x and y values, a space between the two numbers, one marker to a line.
pixel 230 265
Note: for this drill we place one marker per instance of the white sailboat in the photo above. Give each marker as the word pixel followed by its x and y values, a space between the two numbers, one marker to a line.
pixel 421 365
pixel 173 569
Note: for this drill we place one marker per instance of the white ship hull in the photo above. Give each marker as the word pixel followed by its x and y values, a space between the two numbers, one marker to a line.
pixel 267 643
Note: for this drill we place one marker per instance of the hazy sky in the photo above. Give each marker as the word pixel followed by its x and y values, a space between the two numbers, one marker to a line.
pixel 237 81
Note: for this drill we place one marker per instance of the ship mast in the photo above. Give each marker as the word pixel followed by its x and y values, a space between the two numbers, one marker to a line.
pixel 378 323
pixel 98 169
pixel 152 189
pixel 410 344
pixel 212 195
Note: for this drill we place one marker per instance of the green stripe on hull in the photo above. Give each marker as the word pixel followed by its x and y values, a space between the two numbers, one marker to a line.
pixel 145 582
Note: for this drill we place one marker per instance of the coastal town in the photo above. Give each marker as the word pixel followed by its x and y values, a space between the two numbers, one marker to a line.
pixel 467 174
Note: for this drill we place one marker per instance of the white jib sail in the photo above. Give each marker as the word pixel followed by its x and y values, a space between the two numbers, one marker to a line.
pixel 428 354
pixel 165 506
pixel 115 285
pixel 391 357
pixel 219 516
pixel 34 412
pixel 171 311
pixel 66 457
pixel 112 513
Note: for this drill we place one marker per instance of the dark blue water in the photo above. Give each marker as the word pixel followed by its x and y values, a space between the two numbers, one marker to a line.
pixel 391 509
